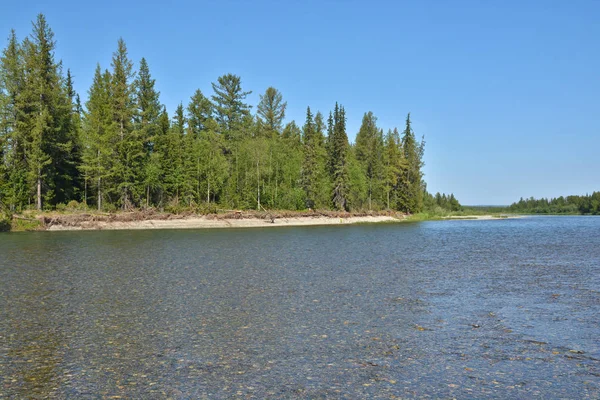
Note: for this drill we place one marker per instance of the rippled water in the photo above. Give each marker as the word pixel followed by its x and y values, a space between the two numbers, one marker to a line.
pixel 467 309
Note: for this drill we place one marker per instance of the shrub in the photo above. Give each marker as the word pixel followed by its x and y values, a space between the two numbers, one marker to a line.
pixel 74 205
pixel 5 221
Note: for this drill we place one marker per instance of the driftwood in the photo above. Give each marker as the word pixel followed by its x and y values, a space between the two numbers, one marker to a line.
pixel 271 217
pixel 24 218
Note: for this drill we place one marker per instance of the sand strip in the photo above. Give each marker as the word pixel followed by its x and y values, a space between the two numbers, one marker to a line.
pixel 201 222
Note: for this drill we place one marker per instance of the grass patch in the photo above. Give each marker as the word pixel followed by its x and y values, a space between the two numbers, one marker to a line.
pixel 25 225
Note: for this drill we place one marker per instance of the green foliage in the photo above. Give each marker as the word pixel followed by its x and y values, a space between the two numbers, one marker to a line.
pixel 410 193
pixel 370 155
pixel 271 111
pixel 230 107
pixel 587 204
pixel 315 179
pixel 338 152
pixel 441 202
pixel 122 151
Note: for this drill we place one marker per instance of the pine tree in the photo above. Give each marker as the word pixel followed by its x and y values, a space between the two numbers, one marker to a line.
pixel 271 111
pixel 230 108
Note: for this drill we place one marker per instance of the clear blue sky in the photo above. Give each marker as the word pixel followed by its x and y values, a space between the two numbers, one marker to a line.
pixel 507 93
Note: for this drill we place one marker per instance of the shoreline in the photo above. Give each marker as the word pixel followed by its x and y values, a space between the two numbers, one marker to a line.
pixel 141 220
pixel 200 222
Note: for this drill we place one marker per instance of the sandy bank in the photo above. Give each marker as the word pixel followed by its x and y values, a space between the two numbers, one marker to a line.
pixel 483 217
pixel 199 222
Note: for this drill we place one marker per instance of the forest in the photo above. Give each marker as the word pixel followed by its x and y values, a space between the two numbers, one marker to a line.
pixel 121 150
pixel 586 204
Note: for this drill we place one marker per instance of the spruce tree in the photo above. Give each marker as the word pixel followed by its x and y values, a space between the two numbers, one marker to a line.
pixel 12 140
pixel 44 108
pixel 99 136
pixel 369 153
pixel 148 107
pixel 394 166
pixel 309 166
pixel 200 110
pixel 338 147
pixel 130 150
pixel 147 129
pixel 411 190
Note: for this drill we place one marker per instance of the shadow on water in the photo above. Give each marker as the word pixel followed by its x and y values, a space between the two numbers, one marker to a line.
pixel 491 309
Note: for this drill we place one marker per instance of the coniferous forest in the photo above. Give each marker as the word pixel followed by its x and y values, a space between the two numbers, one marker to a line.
pixel 119 149
pixel 587 204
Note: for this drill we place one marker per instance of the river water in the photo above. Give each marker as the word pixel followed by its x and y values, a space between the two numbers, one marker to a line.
pixel 446 309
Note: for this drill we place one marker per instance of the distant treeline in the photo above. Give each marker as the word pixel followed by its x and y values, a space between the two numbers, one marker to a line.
pixel 442 202
pixel 121 150
pixel 588 204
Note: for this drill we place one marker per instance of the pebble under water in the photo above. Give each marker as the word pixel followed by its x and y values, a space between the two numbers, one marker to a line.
pixel 446 309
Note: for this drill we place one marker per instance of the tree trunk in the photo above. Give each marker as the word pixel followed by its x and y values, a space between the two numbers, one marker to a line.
pixel 370 194
pixel 147 196
pixel 198 179
pixel 99 195
pixel 258 184
pixel 39 191
pixel 208 192
pixel 388 199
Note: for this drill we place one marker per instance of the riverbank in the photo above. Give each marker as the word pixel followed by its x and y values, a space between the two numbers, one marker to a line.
pixel 140 220
pixel 201 222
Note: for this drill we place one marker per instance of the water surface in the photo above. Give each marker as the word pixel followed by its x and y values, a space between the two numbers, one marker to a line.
pixel 467 309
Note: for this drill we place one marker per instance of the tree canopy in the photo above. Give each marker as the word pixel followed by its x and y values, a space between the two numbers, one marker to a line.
pixel 122 150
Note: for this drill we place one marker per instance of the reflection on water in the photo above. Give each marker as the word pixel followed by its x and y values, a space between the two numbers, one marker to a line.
pixel 492 309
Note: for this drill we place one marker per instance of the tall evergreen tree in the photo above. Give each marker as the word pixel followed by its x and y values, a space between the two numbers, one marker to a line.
pixel 314 175
pixel 394 166
pixel 271 110
pixel 148 107
pixel 369 153
pixel 147 129
pixel 411 190
pixel 200 111
pixel 44 108
pixel 13 183
pixel 130 150
pixel 230 107
pixel 309 166
pixel 338 148
pixel 179 120
pixel 99 137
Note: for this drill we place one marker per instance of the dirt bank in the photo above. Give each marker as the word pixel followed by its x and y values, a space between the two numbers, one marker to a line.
pixel 234 219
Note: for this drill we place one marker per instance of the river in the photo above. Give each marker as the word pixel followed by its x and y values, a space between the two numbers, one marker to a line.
pixel 443 309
